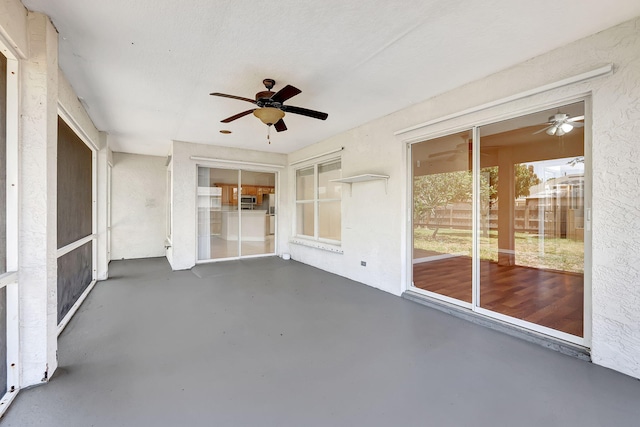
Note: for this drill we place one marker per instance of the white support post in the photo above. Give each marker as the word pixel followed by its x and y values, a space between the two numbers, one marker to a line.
pixel 38 197
pixel 102 210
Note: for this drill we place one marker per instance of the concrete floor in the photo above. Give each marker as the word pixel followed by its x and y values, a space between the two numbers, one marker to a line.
pixel 267 342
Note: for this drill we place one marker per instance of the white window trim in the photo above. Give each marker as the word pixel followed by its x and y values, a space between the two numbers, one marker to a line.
pixel 315 241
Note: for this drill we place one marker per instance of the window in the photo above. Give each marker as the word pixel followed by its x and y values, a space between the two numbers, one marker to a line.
pixel 319 201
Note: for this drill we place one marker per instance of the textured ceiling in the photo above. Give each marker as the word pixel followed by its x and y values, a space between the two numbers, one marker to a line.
pixel 144 68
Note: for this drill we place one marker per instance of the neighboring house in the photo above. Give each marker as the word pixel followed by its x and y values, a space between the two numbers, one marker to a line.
pixel 154 199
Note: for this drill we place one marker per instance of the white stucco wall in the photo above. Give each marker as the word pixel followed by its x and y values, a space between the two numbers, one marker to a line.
pixel 70 105
pixel 138 206
pixel 182 254
pixel 371 216
pixel 375 224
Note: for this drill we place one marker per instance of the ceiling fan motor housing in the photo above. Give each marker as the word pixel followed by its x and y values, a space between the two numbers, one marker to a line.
pixel 560 117
pixel 268 102
pixel 265 94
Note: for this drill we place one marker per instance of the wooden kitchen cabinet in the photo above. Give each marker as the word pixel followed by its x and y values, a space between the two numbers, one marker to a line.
pixel 229 194
pixel 249 190
pixel 264 190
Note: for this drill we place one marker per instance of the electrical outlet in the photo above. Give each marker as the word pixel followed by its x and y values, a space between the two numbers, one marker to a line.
pixel 363 263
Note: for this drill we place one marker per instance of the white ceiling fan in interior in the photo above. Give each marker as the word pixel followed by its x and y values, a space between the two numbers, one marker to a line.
pixel 560 124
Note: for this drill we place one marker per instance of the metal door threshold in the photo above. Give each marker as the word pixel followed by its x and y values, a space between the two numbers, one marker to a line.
pixel 552 343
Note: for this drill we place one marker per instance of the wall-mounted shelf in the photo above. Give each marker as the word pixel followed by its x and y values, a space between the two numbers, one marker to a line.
pixel 363 178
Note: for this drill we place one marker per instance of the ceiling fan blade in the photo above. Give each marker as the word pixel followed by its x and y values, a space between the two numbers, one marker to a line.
pixel 541 130
pixel 280 126
pixel 285 93
pixel 573 119
pixel 304 112
pixel 237 116
pixel 224 95
pixel 576 124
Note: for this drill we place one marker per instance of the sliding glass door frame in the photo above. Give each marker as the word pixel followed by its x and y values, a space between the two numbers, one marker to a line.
pixel 474 307
pixel 240 168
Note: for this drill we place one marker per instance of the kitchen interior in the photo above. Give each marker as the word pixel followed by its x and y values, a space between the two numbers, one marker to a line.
pixel 235 220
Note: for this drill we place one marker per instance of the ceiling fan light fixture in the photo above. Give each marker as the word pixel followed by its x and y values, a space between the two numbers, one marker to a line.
pixel 552 130
pixel 269 115
pixel 566 127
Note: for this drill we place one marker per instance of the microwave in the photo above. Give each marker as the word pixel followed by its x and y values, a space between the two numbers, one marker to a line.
pixel 248 200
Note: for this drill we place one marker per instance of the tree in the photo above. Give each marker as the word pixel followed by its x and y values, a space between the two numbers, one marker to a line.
pixel 432 193
pixel 525 179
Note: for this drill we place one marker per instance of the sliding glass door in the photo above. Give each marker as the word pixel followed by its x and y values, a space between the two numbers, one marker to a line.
pixel 532 254
pixel 516 219
pixel 442 216
pixel 236 213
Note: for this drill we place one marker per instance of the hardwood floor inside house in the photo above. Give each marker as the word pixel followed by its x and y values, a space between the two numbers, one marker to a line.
pixel 549 298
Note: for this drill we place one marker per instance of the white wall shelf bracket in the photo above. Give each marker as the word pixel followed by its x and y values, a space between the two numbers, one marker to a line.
pixel 363 178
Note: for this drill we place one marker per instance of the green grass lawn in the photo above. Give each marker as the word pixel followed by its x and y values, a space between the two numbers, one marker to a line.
pixel 531 250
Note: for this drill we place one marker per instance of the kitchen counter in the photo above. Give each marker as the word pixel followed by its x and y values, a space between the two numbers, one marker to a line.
pixel 253 225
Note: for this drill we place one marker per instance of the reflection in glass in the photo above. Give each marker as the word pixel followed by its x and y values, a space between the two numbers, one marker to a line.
pixel 442 216
pixel 532 219
pixel 329 220
pixel 254 213
pixel 305 219
pixel 327 172
pixel 304 184
pixel 217 213
pixel 329 200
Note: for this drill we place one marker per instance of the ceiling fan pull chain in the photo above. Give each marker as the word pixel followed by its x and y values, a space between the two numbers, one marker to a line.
pixel 269 134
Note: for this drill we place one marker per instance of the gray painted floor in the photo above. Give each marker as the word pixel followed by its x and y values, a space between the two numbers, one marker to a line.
pixel 267 342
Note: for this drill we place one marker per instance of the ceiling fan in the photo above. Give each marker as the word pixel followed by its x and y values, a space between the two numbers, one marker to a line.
pixel 464 147
pixel 270 106
pixel 460 148
pixel 560 124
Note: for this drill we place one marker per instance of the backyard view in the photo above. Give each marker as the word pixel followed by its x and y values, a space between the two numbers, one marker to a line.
pixel 546 216
pixel 531 251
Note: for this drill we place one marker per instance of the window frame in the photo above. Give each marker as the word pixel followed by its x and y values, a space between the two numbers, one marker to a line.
pixel 316 200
